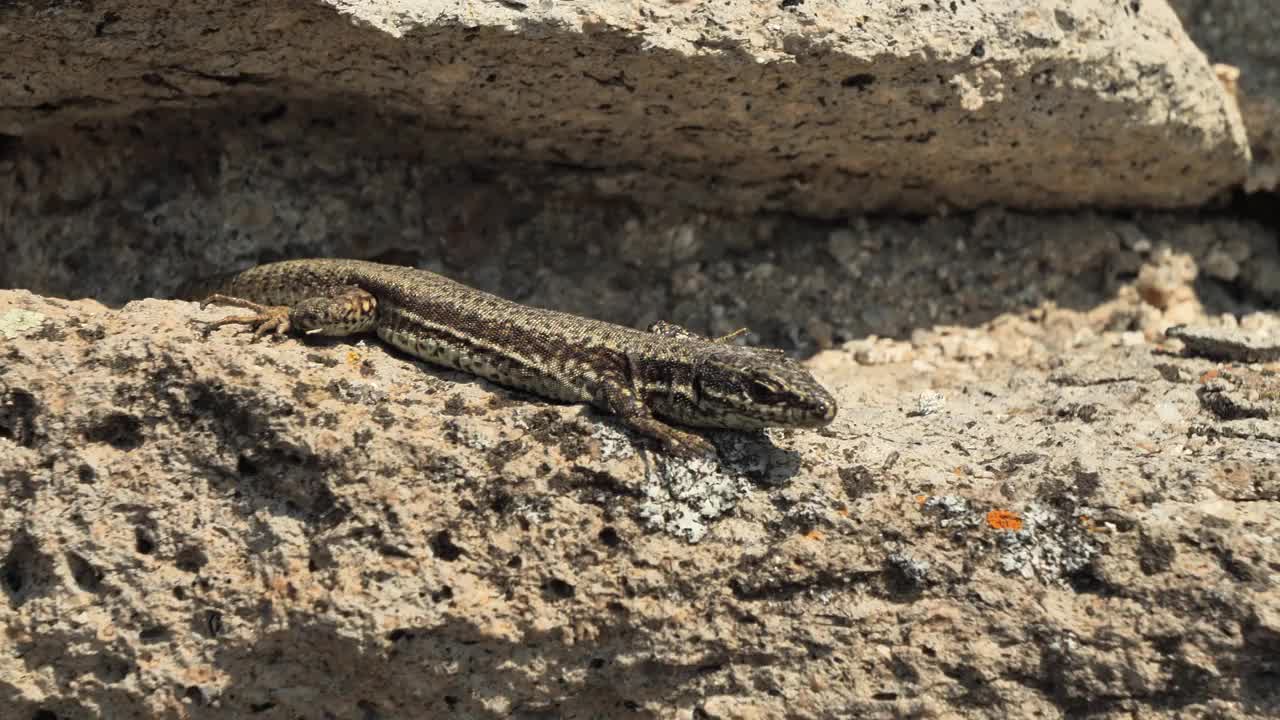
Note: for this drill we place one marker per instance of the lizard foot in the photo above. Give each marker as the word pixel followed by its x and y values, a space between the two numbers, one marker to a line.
pixel 266 318
pixel 689 446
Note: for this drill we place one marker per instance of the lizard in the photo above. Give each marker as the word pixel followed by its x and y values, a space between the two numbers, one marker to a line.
pixel 648 379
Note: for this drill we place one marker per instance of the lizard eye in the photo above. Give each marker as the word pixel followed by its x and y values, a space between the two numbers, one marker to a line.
pixel 764 391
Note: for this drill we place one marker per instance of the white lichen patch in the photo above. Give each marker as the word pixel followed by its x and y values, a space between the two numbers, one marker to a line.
pixel 20 323
pixel 614 444
pixel 681 497
pixel 1050 546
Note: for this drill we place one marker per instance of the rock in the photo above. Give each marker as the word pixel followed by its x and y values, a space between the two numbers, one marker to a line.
pixel 815 108
pixel 1227 344
pixel 198 524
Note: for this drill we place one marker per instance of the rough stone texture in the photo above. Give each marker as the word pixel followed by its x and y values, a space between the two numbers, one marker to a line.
pixel 1242 33
pixel 1227 343
pixel 1038 515
pixel 120 211
pixel 816 107
pixel 1035 501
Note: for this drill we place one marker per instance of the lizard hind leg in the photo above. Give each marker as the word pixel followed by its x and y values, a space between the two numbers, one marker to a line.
pixel 347 311
pixel 666 329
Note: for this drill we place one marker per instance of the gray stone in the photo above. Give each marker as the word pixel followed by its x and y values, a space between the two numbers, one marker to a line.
pixel 815 107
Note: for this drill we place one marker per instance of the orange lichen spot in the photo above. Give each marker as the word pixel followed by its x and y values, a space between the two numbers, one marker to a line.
pixel 1209 375
pixel 921 499
pixel 1004 520
pixel 843 511
pixel 959 471
pixel 353 357
pixel 813 535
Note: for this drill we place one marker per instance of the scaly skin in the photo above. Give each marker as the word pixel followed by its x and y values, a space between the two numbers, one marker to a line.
pixel 645 378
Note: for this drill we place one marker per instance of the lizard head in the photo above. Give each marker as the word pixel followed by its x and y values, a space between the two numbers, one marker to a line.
pixel 750 388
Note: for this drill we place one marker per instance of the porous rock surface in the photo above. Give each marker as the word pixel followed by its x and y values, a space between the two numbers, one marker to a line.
pixel 1050 513
pixel 1051 491
pixel 817 107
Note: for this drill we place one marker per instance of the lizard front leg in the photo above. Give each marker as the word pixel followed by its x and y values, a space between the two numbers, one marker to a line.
pixel 619 395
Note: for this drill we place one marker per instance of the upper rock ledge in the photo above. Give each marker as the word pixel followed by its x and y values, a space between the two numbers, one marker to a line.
pixel 808 106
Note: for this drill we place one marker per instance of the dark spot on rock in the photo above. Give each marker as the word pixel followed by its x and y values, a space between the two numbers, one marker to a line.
pixel 383 417
pixel 609 536
pixel 443 594
pixel 212 623
pixel 86 474
pixel 245 467
pixel 393 551
pixel 503 453
pixel 154 634
pixel 1086 580
pixel 1155 555
pixel 24 569
pixel 324 360
pixel 557 589
pixel 905 577
pixel 362 437
pixel 18 485
pixel 122 365
pixel 1226 405
pixel 91 334
pixel 500 502
pixel 861 81
pixel 86 576
pixel 454 405
pixel 442 547
pixel 111 669
pixel 1087 482
pixel 1011 464
pixel 50 333
pixel 119 430
pixel 596 487
pixel 18 410
pixel 143 541
pixel 1084 412
pixel 321 558
pixel 979 49
pixel 191 559
pixel 857 481
pixel 9 145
